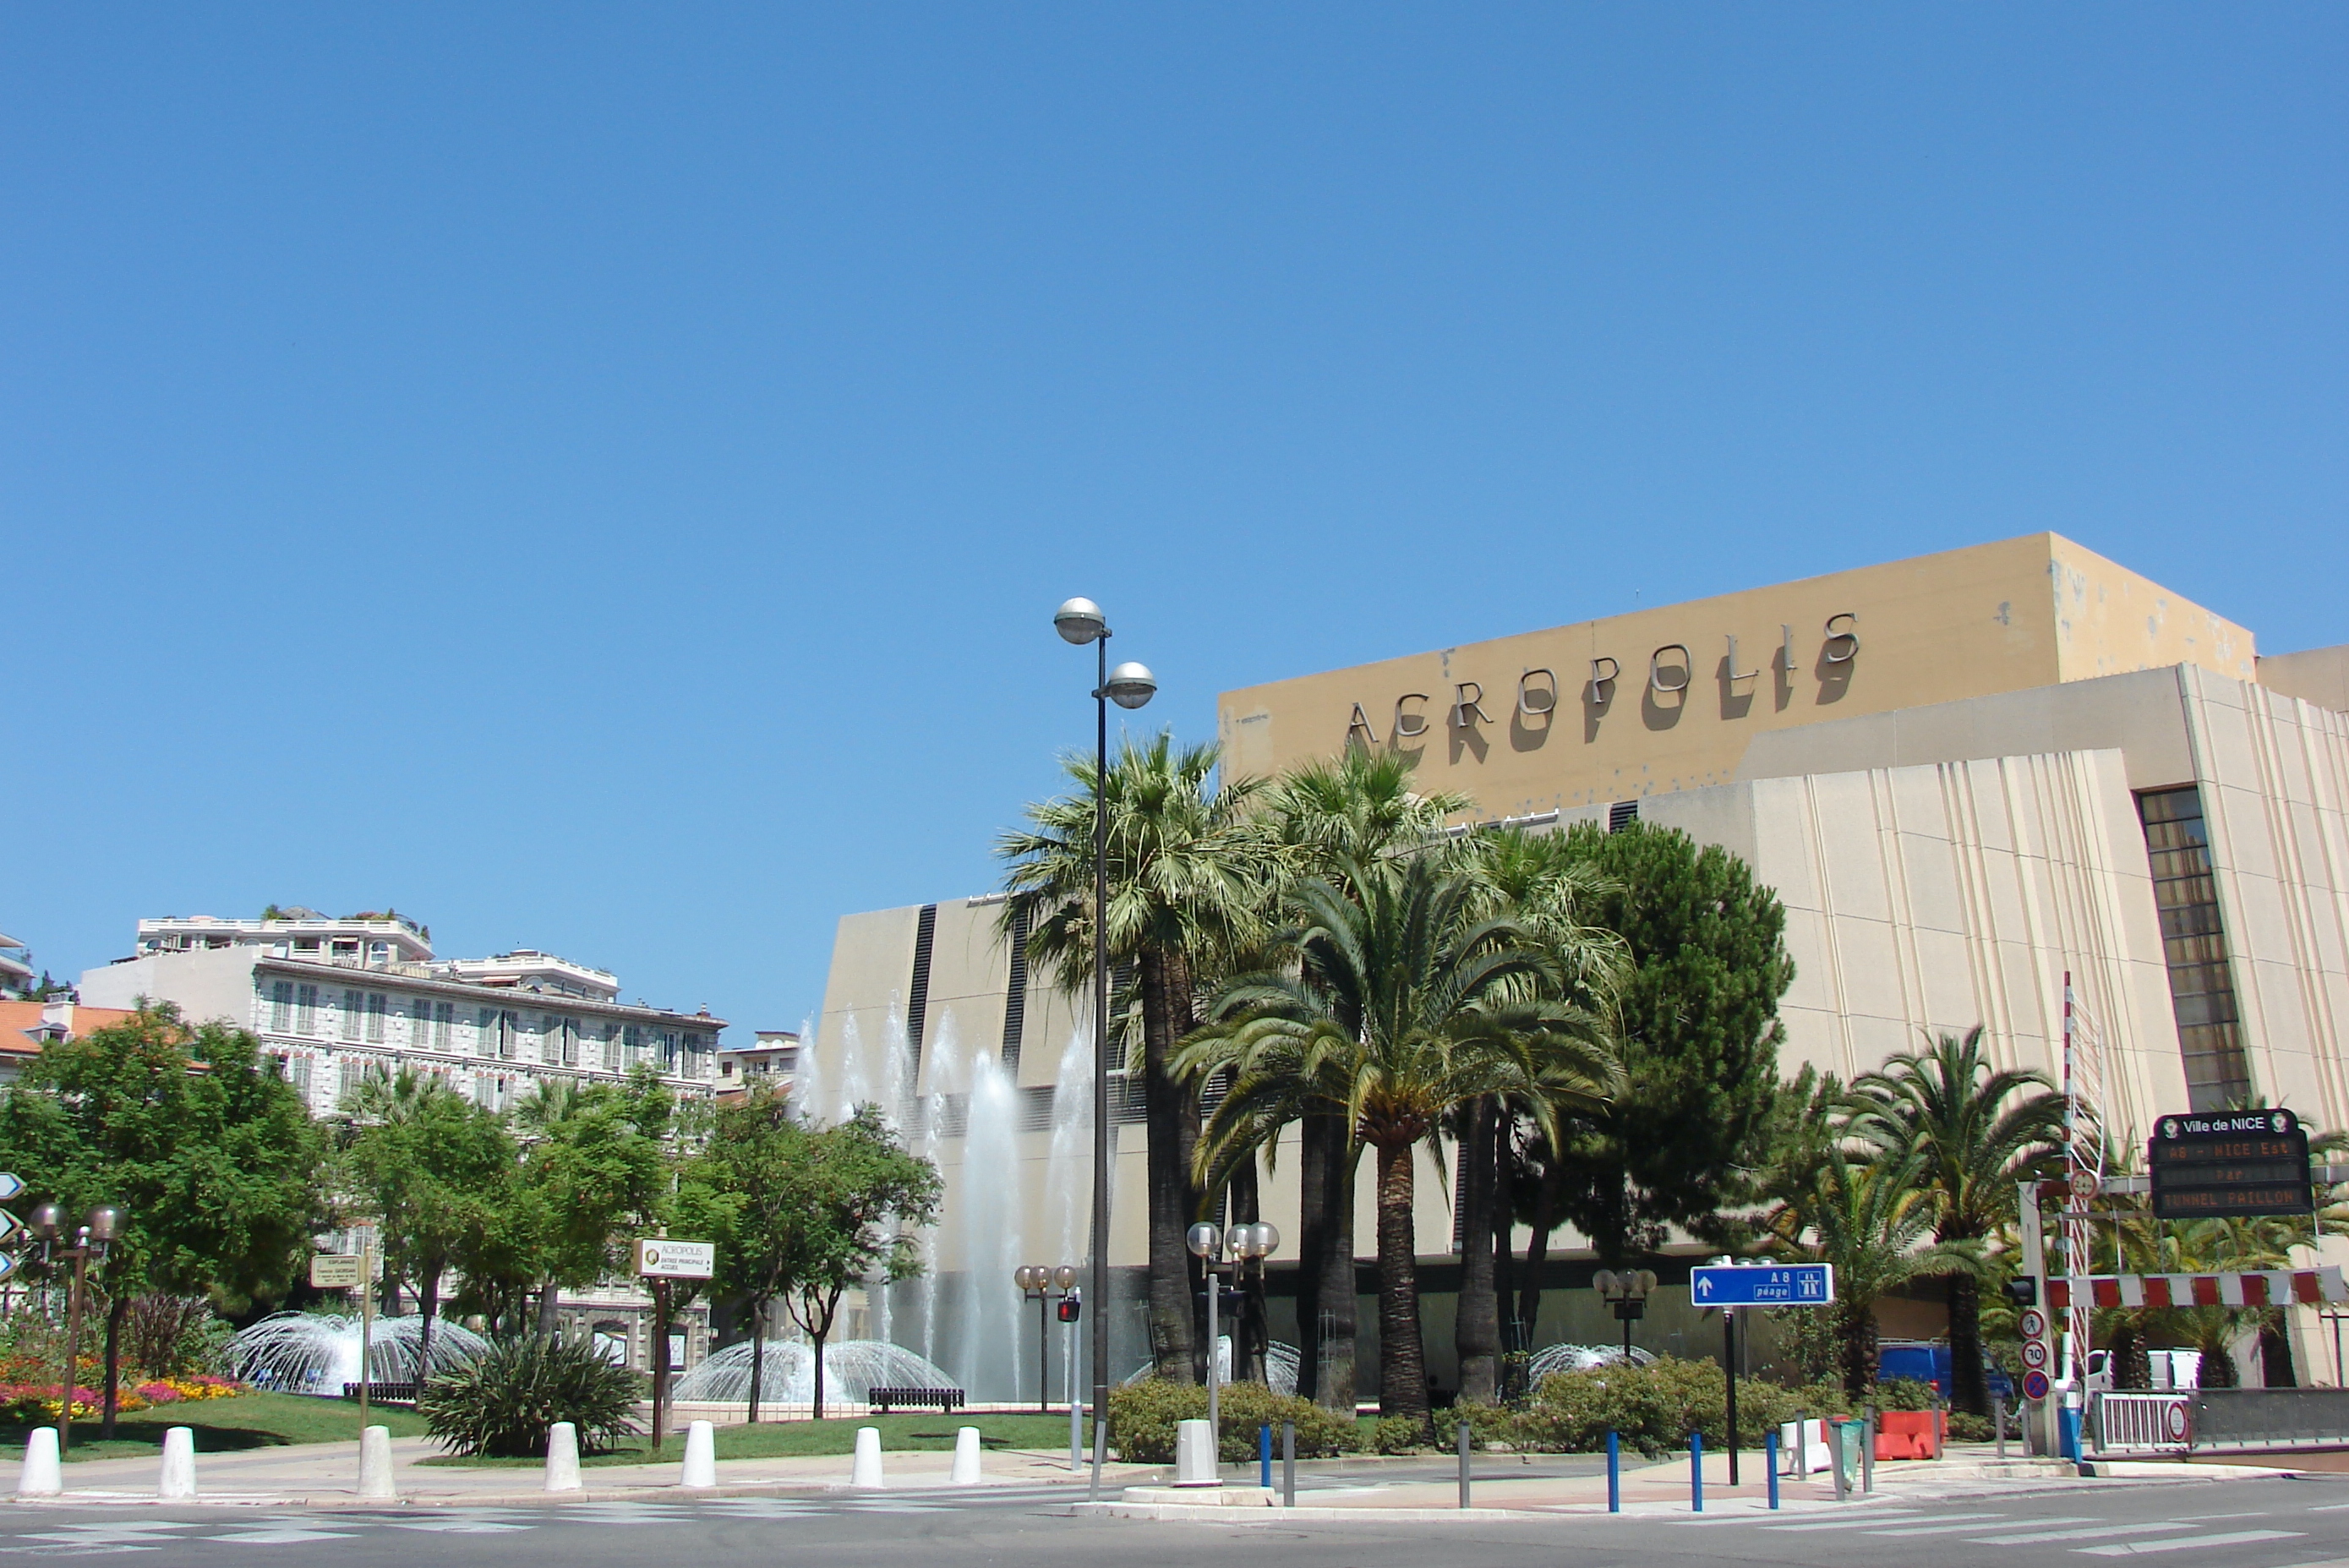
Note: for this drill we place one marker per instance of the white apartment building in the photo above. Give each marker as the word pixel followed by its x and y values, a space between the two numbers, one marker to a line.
pixel 337 1000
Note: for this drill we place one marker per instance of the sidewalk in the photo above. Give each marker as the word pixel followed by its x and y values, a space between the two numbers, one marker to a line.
pixel 1660 1489
pixel 326 1475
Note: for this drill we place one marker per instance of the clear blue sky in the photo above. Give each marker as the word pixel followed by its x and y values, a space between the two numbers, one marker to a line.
pixel 598 478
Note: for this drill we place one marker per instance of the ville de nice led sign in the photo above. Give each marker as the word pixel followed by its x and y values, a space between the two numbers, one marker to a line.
pixel 1671 670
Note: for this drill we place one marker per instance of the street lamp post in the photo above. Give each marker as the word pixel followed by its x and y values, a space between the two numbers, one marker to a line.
pixel 1080 621
pixel 1039 1284
pixel 1629 1292
pixel 91 1239
pixel 1246 1243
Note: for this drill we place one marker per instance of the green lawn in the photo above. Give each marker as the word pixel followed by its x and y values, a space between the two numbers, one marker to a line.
pixel 770 1439
pixel 225 1426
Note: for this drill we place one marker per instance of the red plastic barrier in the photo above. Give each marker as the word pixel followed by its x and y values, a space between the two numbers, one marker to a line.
pixel 1911 1434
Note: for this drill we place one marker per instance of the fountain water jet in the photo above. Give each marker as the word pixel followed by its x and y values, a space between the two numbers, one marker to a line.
pixel 853 1368
pixel 317 1353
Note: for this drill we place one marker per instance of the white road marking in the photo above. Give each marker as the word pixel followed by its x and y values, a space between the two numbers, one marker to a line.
pixel 1876 1519
pixel 1954 1529
pixel 2228 1537
pixel 2029 1536
pixel 282 1536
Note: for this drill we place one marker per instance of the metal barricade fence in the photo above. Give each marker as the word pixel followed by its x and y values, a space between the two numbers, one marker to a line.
pixel 2141 1423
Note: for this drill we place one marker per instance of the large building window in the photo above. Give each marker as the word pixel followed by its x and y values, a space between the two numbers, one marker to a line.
pixel 377 1005
pixel 353 1004
pixel 2194 944
pixel 305 1010
pixel 281 1007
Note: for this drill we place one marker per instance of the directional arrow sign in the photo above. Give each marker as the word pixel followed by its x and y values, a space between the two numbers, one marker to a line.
pixel 8 1222
pixel 1763 1284
pixel 8 1264
pixel 11 1184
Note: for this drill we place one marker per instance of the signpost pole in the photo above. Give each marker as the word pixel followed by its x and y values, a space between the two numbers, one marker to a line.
pixel 366 1330
pixel 660 1357
pixel 2038 1434
pixel 1729 1364
pixel 73 1345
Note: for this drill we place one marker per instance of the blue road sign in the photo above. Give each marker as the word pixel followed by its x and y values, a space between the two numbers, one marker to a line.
pixel 1762 1285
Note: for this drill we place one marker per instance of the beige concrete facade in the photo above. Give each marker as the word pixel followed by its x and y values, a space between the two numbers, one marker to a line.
pixel 1942 766
pixel 1669 697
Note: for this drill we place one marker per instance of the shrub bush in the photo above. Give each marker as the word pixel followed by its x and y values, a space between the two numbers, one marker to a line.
pixel 1905 1394
pixel 1142 1418
pixel 1653 1408
pixel 1966 1428
pixel 1399 1435
pixel 502 1405
pixel 1488 1424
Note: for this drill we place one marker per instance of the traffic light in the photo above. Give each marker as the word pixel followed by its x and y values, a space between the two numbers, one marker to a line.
pixel 1069 1307
pixel 2023 1291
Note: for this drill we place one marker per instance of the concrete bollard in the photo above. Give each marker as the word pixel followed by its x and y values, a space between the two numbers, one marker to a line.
pixel 375 1463
pixel 701 1455
pixel 1194 1454
pixel 42 1476
pixel 867 1471
pixel 179 1477
pixel 563 1457
pixel 966 1460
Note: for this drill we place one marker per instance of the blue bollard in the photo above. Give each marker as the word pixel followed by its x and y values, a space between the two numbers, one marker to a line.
pixel 1264 1457
pixel 1614 1474
pixel 1696 1473
pixel 2067 1432
pixel 1770 1462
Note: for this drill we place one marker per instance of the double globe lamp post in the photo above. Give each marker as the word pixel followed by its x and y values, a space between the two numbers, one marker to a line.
pixel 1080 621
pixel 1246 1243
pixel 1038 1284
pixel 91 1241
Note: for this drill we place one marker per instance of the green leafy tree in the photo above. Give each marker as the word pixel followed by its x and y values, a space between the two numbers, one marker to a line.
pixel 855 1195
pixel 1976 1130
pixel 1699 1040
pixel 1405 1005
pixel 195 1135
pixel 1185 876
pixel 595 1171
pixel 745 1187
pixel 433 1170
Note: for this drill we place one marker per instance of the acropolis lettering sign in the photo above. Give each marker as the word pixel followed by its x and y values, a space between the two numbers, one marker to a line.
pixel 1671 671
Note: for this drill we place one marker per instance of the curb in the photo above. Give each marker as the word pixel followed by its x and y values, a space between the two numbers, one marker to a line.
pixel 1213 1513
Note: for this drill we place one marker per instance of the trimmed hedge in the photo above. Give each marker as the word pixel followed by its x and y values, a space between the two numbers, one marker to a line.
pixel 1653 1408
pixel 1142 1418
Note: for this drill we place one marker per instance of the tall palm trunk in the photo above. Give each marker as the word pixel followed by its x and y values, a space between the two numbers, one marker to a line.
pixel 1969 1384
pixel 1172 1117
pixel 1326 1305
pixel 1476 1328
pixel 1530 1293
pixel 1856 1326
pixel 1402 1358
pixel 550 1308
pixel 1252 1334
pixel 1504 1225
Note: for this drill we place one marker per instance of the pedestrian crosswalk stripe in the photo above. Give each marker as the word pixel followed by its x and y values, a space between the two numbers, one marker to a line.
pixel 2225 1538
pixel 1954 1529
pixel 1868 1522
pixel 2029 1536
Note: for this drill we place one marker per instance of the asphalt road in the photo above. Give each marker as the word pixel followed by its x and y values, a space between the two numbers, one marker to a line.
pixel 2262 1523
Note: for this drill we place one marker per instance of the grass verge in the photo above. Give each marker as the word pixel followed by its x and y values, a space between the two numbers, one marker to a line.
pixel 227 1425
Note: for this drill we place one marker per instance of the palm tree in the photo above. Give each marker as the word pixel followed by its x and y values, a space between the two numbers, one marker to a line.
pixel 1185 881
pixel 1406 1005
pixel 1319 818
pixel 1547 884
pixel 1866 1219
pixel 1976 1131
